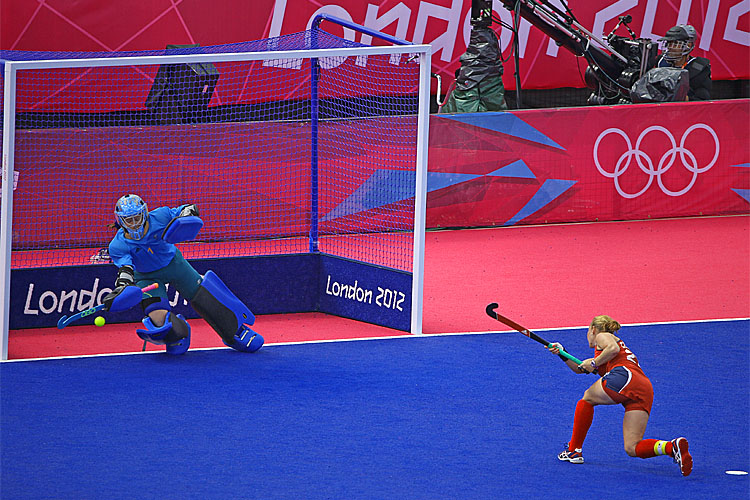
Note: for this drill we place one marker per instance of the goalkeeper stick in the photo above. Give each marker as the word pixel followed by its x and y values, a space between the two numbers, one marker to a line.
pixel 65 321
pixel 533 336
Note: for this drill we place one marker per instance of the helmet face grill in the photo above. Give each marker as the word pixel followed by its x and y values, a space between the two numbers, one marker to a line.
pixel 678 42
pixel 674 50
pixel 132 214
pixel 133 222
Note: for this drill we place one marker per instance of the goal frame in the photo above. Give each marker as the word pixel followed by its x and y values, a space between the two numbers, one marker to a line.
pixel 420 53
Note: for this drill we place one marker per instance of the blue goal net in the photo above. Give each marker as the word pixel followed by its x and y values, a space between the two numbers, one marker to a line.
pixel 269 152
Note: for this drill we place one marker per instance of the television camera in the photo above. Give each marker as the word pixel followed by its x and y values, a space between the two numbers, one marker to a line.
pixel 614 64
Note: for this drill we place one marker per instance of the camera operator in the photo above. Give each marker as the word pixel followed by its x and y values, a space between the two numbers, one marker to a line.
pixel 479 82
pixel 678 43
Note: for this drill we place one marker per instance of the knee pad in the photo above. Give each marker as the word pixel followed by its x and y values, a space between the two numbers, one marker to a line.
pixel 174 333
pixel 221 309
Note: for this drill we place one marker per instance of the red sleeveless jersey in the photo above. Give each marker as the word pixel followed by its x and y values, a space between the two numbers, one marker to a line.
pixel 624 358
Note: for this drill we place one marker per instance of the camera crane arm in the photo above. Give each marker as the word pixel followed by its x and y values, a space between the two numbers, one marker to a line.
pixel 613 65
pixel 565 31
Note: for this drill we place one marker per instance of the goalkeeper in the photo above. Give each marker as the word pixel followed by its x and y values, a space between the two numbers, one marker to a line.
pixel 144 251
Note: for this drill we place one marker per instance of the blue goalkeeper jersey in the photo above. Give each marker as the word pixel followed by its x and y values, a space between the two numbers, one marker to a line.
pixel 150 253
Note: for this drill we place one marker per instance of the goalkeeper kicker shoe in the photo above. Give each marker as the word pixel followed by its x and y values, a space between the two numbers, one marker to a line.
pixel 682 456
pixel 574 457
pixel 246 341
pixel 182 345
pixel 174 333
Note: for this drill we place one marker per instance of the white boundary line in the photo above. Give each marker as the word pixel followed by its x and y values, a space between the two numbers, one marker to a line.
pixel 391 337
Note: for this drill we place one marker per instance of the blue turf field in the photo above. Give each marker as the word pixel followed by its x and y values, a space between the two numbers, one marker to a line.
pixel 459 417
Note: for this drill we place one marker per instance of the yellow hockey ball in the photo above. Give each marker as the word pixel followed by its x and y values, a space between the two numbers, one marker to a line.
pixel 99 321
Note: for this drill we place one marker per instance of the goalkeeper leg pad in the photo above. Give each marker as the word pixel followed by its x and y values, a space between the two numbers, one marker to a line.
pixel 226 314
pixel 174 333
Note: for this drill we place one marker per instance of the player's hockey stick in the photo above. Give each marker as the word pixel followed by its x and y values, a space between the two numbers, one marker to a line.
pixel 65 321
pixel 533 336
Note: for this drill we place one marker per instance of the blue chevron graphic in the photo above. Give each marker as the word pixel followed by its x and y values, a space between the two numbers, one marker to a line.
pixel 505 123
pixel 440 180
pixel 400 187
pixel 370 194
pixel 745 193
pixel 517 169
pixel 741 165
pixel 547 193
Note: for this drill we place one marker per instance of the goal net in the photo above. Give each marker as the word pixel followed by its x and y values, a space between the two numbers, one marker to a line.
pixel 305 144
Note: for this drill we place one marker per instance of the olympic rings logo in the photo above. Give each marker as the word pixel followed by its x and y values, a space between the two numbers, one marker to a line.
pixel 646 164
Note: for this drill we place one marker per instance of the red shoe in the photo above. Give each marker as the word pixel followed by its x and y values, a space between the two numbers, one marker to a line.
pixel 682 455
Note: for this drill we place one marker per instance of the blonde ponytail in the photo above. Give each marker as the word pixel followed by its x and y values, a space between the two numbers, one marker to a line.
pixel 604 323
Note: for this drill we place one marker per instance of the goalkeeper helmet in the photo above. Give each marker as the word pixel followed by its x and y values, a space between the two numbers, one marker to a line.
pixel 132 215
pixel 678 42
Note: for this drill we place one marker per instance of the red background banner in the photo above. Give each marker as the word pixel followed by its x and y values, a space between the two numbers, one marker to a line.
pixel 485 169
pixel 586 164
pixel 91 25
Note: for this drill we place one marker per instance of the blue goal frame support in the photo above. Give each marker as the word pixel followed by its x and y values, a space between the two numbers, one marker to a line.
pixel 314 110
